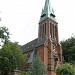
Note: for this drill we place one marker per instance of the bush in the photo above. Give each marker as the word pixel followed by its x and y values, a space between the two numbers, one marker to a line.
pixel 24 73
pixel 65 69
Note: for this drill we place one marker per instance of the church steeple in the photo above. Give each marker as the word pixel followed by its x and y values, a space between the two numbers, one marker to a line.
pixel 47 45
pixel 47 12
pixel 48 27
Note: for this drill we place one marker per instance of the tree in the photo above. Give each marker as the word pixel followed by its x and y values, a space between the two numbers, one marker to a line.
pixel 4 34
pixel 68 47
pixel 11 57
pixel 37 66
pixel 65 69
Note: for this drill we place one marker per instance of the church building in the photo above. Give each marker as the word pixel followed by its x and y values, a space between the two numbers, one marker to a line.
pixel 47 44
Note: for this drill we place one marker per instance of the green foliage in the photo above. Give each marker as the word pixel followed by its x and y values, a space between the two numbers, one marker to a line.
pixel 68 47
pixel 24 73
pixel 37 66
pixel 11 57
pixel 65 69
pixel 4 34
pixel 74 69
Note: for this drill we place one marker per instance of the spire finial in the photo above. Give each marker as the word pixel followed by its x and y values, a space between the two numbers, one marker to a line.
pixel 48 11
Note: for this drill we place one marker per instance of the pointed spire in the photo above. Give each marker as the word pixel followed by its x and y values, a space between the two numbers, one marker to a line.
pixel 48 11
pixel 42 11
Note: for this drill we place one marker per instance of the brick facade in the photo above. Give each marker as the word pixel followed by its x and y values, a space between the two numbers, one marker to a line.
pixel 47 44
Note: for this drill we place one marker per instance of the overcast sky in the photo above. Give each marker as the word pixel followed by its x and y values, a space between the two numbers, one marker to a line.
pixel 22 18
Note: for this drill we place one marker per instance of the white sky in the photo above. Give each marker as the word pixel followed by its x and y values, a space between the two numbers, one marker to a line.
pixel 22 18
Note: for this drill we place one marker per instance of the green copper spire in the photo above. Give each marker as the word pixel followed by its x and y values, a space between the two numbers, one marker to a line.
pixel 47 12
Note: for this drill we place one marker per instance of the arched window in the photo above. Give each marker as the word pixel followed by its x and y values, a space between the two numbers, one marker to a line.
pixel 45 28
pixel 55 31
pixel 51 30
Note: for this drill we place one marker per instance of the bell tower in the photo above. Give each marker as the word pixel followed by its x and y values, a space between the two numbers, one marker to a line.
pixel 48 27
pixel 47 24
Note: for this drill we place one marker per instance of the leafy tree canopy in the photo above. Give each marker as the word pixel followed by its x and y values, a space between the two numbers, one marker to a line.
pixel 4 34
pixel 37 66
pixel 68 47
pixel 11 56
pixel 65 69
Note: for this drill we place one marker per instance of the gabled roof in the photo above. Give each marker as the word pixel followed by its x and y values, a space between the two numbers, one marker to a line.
pixel 40 42
pixel 33 44
pixel 29 46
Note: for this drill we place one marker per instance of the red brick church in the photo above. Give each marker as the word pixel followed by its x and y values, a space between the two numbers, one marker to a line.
pixel 47 44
